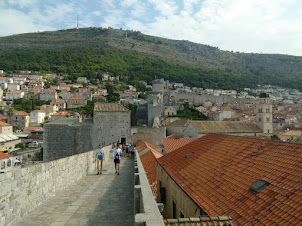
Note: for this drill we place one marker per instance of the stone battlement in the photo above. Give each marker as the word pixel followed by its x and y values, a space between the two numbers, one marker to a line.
pixel 25 189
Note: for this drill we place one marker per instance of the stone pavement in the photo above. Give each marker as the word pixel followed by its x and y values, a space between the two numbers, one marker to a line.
pixel 106 199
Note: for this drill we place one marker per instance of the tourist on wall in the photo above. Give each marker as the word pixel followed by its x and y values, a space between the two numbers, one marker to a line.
pixel 117 159
pixel 99 158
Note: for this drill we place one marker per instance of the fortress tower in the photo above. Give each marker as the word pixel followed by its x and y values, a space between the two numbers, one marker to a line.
pixel 264 114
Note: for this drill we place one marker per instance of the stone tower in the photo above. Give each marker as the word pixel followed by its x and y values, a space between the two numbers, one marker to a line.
pixel 264 114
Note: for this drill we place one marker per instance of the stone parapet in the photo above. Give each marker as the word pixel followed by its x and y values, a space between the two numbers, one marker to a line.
pixel 145 207
pixel 24 189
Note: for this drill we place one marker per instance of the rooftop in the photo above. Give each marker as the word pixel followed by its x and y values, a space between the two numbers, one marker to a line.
pixel 148 158
pixel 110 107
pixel 171 144
pixel 219 174
pixel 4 124
pixel 226 127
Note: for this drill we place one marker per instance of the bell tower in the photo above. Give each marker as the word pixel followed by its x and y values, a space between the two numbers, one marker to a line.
pixel 264 114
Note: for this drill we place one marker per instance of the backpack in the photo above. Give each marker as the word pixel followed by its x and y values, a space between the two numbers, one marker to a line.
pixel 117 156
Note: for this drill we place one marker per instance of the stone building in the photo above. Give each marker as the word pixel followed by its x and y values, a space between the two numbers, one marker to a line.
pixel 69 136
pixel 7 139
pixel 19 120
pixel 161 101
pixel 76 102
pixel 196 128
pixel 264 112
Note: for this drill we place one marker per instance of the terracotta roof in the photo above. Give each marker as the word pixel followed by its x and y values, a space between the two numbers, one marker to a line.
pixel 172 144
pixel 227 109
pixel 110 107
pixel 57 101
pixel 76 98
pixel 148 158
pixel 4 156
pixel 62 113
pixel 14 91
pixel 20 113
pixel 219 174
pixel 33 128
pixel 203 220
pixel 226 127
pixel 39 111
pixel 4 124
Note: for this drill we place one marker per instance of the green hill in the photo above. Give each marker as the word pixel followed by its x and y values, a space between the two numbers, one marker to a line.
pixel 92 51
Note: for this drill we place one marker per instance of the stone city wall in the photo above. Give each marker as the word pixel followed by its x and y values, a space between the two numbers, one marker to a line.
pixel 150 135
pixel 24 189
pixel 147 211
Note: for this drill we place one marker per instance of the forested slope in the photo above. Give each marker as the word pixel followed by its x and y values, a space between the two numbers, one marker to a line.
pixel 92 51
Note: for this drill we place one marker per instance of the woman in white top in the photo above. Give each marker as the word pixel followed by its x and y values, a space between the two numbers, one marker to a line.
pixel 117 159
pixel 100 157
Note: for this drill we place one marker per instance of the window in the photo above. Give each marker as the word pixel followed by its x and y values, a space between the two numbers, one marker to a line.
pixel 267 110
pixel 260 110
pixel 174 210
pixel 267 119
pixel 259 185
pixel 189 154
pixel 181 215
pixel 259 119
pixel 163 195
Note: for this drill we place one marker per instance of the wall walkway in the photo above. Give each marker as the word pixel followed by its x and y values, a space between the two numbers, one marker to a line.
pixel 68 192
pixel 106 199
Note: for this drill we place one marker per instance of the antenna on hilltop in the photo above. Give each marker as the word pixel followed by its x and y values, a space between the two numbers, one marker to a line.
pixel 77 21
pixel 126 35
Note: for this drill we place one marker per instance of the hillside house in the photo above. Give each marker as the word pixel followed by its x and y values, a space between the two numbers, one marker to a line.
pixel 14 94
pixel 76 102
pixel 48 94
pixel 37 117
pixel 19 120
pixel 13 86
pixel 61 104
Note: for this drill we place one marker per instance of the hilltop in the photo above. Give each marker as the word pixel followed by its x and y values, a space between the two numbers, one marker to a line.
pixel 92 51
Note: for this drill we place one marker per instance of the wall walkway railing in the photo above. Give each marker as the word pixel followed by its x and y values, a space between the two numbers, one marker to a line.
pixel 145 207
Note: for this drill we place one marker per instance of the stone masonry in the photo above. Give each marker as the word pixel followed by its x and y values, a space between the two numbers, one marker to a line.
pixel 66 137
pixel 24 189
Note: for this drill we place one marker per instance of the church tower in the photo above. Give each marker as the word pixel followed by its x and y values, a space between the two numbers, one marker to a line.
pixel 264 114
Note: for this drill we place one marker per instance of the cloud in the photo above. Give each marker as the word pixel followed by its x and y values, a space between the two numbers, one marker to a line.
pixel 128 3
pixel 249 26
pixel 96 13
pixel 16 22
pixel 22 3
pixel 271 26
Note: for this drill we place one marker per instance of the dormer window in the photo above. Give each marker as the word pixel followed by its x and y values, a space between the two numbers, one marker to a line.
pixel 259 186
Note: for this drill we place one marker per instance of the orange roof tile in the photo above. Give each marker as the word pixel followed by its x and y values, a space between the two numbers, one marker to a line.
pixel 171 144
pixel 220 172
pixel 148 158
pixel 62 113
pixel 76 98
pixel 20 113
pixel 4 156
pixel 39 111
pixel 4 124
pixel 57 101
pixel 33 128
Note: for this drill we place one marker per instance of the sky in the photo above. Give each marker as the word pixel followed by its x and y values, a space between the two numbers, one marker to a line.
pixel 258 26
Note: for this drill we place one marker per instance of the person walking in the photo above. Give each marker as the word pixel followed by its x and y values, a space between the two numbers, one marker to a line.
pixel 99 158
pixel 117 159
